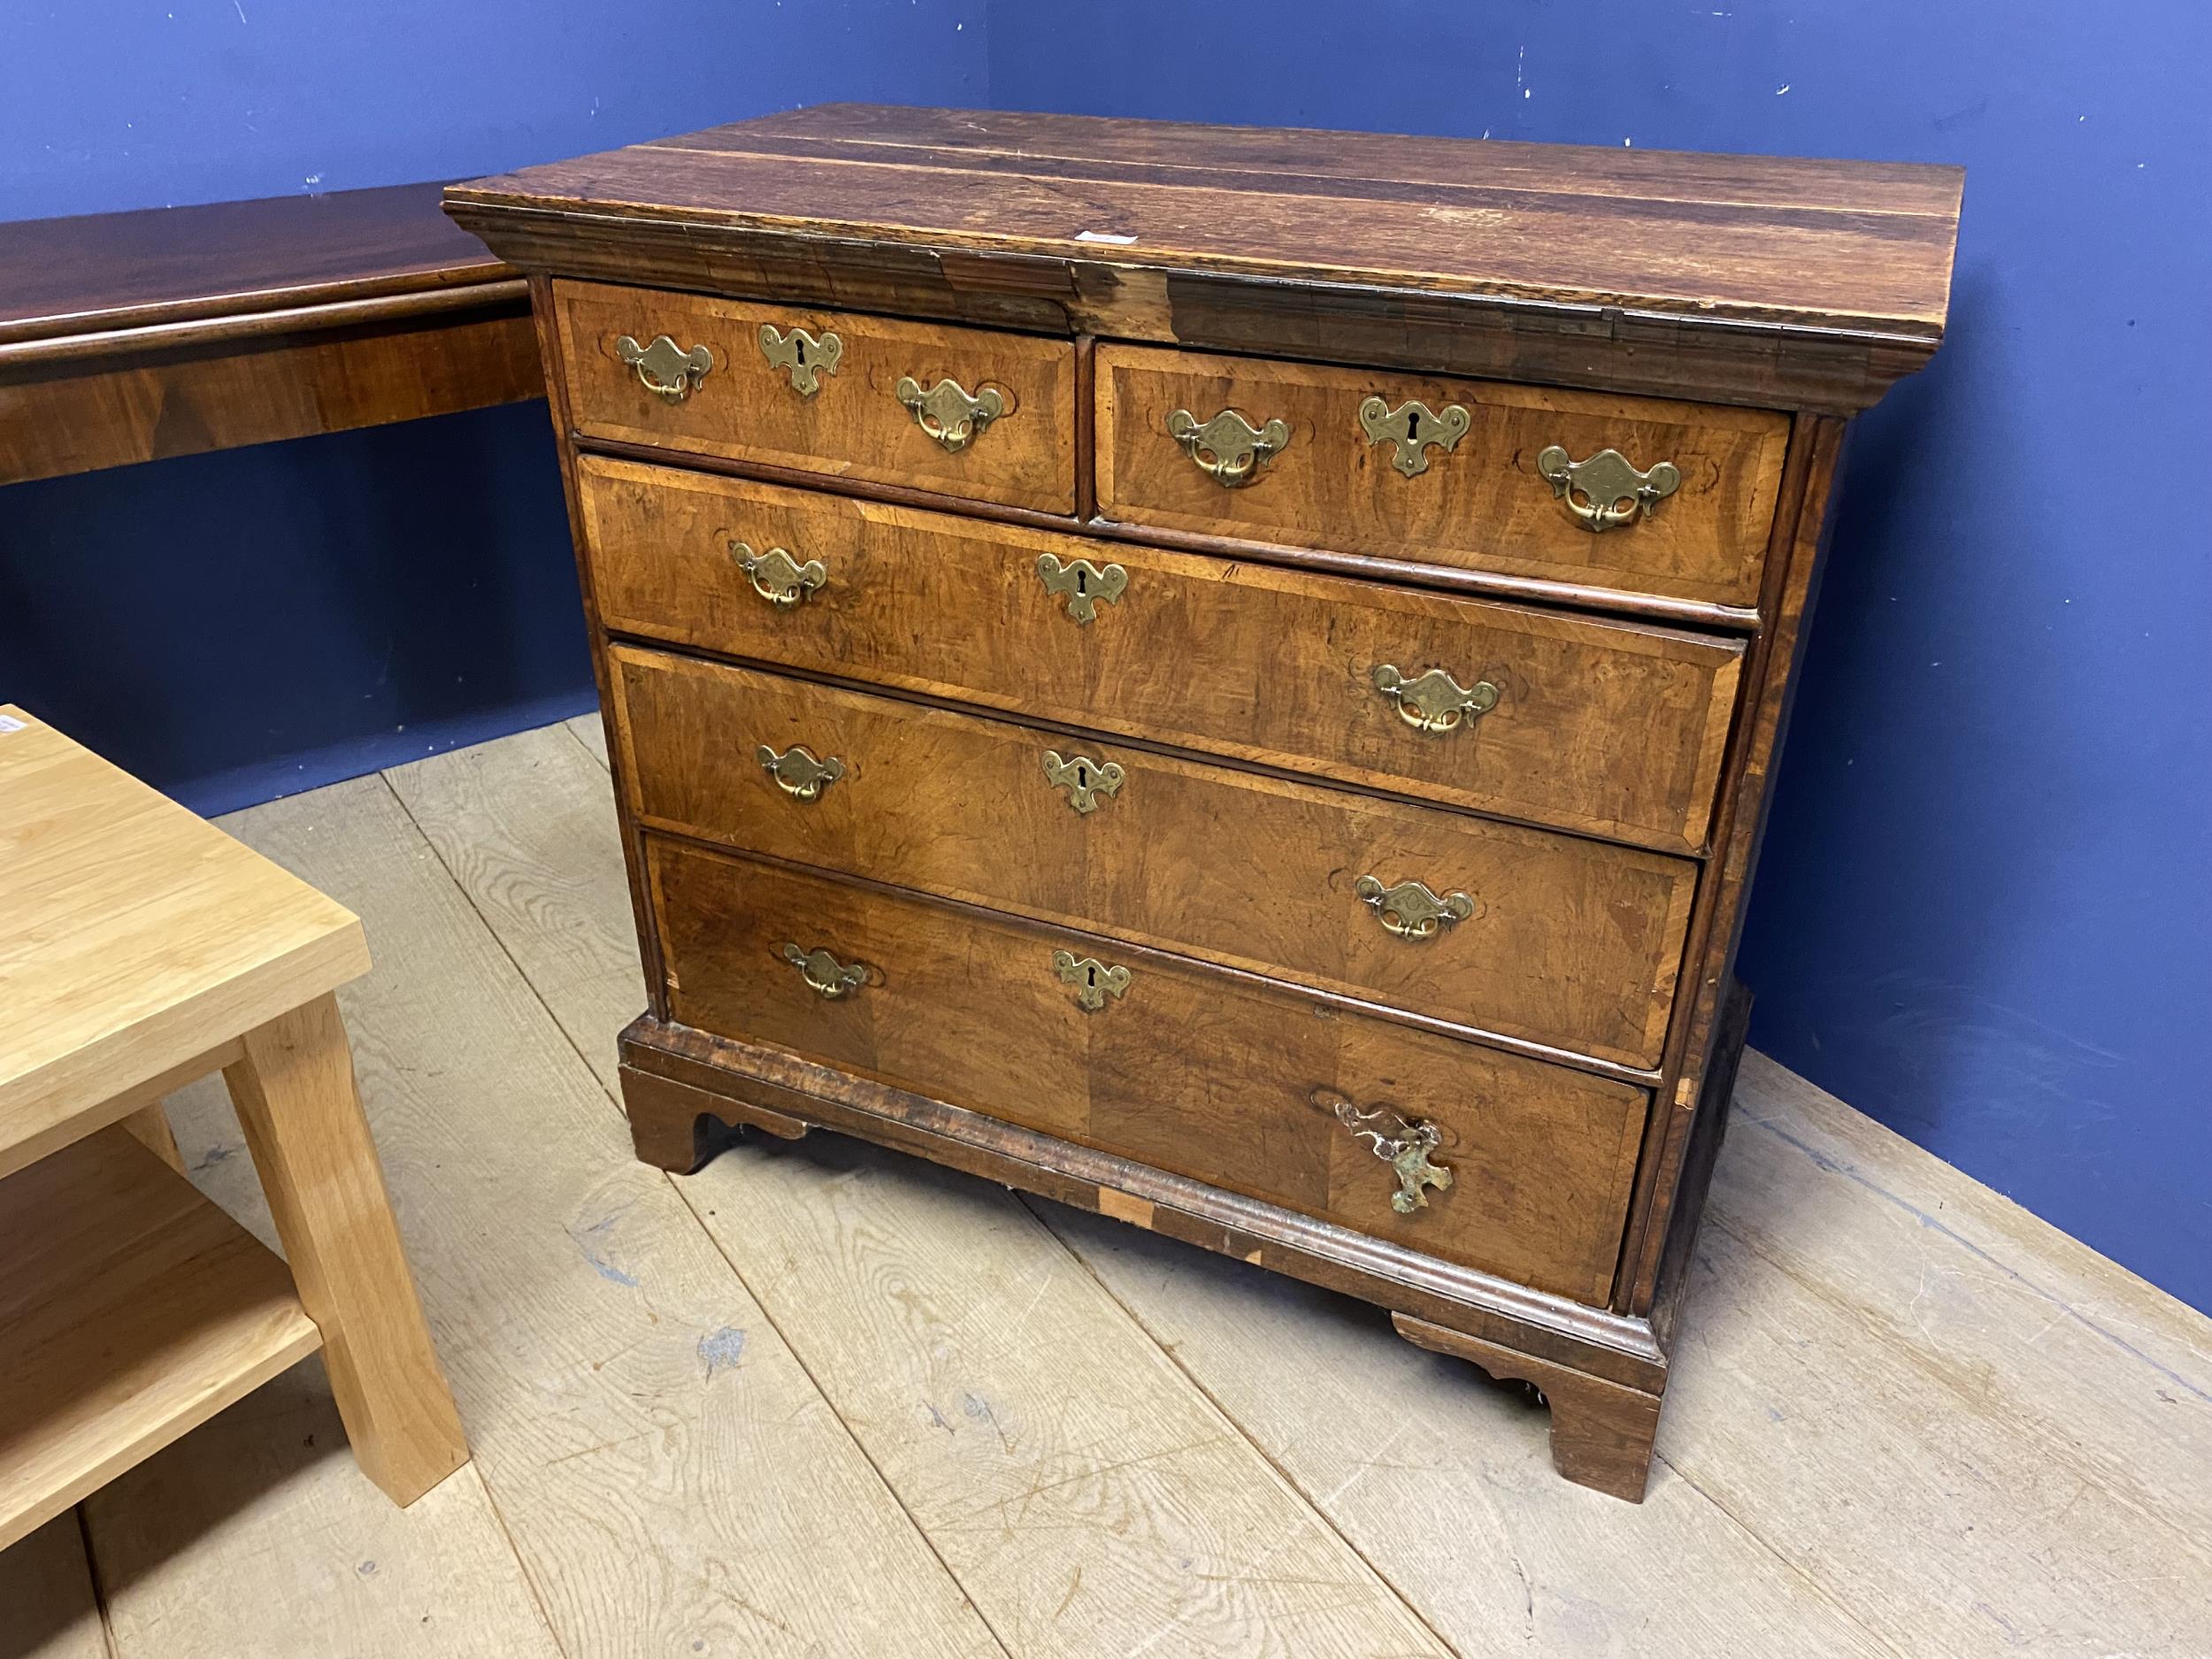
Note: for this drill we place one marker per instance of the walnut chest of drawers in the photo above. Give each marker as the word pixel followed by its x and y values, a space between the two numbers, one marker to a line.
pixel 1228 678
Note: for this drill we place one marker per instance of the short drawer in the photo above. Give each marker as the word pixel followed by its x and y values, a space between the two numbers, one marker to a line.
pixel 1550 938
pixel 1481 475
pixel 962 411
pixel 1609 728
pixel 1216 1076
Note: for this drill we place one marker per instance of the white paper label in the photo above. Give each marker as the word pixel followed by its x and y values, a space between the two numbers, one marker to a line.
pixel 1103 235
pixel 9 722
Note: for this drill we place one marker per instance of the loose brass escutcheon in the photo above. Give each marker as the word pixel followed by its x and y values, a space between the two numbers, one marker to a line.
pixel 1413 427
pixel 797 773
pixel 806 358
pixel 1410 910
pixel 1406 1151
pixel 1434 700
pixel 664 368
pixel 776 577
pixel 1082 584
pixel 1228 449
pixel 1093 980
pixel 1084 779
pixel 1607 491
pixel 832 978
pixel 947 414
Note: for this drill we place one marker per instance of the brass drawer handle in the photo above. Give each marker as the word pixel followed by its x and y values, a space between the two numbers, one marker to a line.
pixel 1434 700
pixel 1414 428
pixel 1084 779
pixel 1607 491
pixel 1406 1151
pixel 832 978
pixel 776 577
pixel 1082 584
pixel 664 368
pixel 1228 449
pixel 806 358
pixel 797 773
pixel 1410 910
pixel 945 414
pixel 1093 980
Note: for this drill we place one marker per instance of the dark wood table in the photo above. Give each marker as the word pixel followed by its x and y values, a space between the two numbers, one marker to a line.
pixel 133 336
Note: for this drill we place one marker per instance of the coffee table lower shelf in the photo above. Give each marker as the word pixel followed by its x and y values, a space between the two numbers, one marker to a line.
pixel 132 1311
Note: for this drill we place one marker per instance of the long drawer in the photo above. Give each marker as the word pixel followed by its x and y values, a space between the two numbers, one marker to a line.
pixel 965 412
pixel 1242 659
pixel 1358 461
pixel 1216 1076
pixel 1551 938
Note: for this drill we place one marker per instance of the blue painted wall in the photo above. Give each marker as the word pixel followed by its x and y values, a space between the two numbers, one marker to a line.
pixel 239 625
pixel 1986 909
pixel 1984 912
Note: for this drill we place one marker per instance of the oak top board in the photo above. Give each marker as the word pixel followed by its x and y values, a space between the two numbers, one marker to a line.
pixel 134 935
pixel 1864 248
pixel 97 271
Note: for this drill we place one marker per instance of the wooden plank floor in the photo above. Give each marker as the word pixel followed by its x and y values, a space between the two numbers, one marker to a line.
pixel 822 1401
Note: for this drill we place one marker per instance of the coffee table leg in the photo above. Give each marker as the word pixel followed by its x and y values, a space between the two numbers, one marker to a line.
pixel 301 1110
pixel 150 1125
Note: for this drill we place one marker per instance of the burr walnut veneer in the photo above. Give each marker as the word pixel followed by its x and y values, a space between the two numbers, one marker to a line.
pixel 1225 677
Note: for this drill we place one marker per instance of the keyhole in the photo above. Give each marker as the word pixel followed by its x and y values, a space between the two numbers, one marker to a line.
pixel 798 350
pixel 1090 976
pixel 1413 424
pixel 1082 776
pixel 1082 581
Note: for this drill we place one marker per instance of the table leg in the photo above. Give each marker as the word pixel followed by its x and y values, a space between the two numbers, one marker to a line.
pixel 301 1110
pixel 150 1125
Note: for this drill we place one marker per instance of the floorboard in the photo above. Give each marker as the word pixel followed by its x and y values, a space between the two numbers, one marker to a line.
pixel 1985 1398
pixel 254 1537
pixel 821 1400
pixel 591 732
pixel 47 1606
pixel 620 1389
pixel 1444 1480
pixel 1088 1498
pixel 2002 1470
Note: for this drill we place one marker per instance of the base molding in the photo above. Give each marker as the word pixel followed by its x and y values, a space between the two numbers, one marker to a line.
pixel 673 1125
pixel 687 1091
pixel 1601 1433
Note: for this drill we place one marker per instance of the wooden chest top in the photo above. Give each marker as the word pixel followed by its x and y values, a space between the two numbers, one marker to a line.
pixel 1160 230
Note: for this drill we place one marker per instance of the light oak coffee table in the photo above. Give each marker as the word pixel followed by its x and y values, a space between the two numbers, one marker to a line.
pixel 142 948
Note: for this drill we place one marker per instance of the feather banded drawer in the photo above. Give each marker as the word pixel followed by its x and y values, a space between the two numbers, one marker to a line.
pixel 1225 677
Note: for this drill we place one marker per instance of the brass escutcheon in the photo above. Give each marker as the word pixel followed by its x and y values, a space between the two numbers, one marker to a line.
pixel 776 577
pixel 947 414
pixel 1093 980
pixel 1410 910
pixel 1607 491
pixel 797 773
pixel 664 368
pixel 1407 1151
pixel 1413 427
pixel 1228 449
pixel 832 978
pixel 1082 584
pixel 1434 700
pixel 1084 779
pixel 806 358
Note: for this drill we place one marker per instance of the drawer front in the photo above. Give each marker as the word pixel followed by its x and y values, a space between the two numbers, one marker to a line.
pixel 1211 1075
pixel 1564 942
pixel 1484 502
pixel 1266 664
pixel 872 392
